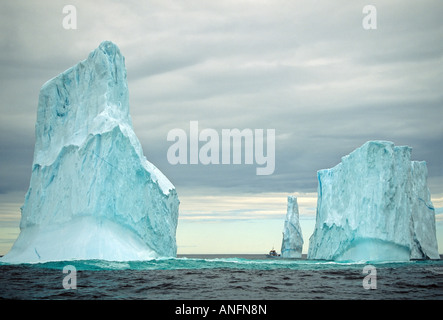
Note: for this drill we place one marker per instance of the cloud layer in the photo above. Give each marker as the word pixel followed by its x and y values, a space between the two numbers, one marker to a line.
pixel 306 69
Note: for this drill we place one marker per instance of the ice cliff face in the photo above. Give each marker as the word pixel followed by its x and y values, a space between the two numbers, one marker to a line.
pixel 292 243
pixel 93 195
pixel 374 205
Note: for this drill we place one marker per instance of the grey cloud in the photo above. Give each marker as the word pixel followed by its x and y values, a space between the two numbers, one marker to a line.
pixel 307 69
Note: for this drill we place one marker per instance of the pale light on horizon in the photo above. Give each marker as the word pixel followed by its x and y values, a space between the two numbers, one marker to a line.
pixel 229 224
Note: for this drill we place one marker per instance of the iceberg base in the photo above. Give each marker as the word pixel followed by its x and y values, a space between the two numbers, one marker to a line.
pixel 81 239
pixel 374 250
pixel 292 253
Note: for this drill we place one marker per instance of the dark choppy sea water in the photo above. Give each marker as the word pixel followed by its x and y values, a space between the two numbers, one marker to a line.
pixel 213 277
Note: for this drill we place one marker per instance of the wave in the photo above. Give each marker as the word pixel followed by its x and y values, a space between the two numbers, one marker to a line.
pixel 218 263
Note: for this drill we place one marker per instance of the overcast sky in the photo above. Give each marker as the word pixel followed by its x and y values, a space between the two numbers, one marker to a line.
pixel 307 69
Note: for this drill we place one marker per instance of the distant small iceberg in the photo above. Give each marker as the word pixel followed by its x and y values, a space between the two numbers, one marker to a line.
pixel 292 243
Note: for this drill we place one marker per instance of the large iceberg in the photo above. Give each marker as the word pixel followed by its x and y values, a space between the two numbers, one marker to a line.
pixel 93 194
pixel 292 243
pixel 374 205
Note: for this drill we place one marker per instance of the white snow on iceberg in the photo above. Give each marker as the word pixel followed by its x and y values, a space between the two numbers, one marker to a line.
pixel 93 194
pixel 374 205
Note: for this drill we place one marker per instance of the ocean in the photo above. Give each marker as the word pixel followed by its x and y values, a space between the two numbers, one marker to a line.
pixel 223 277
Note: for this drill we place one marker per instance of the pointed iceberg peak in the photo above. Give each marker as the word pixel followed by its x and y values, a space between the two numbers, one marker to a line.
pixel 374 205
pixel 109 48
pixel 109 63
pixel 109 54
pixel 292 205
pixel 292 243
pixel 90 97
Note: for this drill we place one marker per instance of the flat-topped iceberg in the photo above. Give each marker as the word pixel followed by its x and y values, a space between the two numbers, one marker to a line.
pixel 292 243
pixel 93 194
pixel 374 205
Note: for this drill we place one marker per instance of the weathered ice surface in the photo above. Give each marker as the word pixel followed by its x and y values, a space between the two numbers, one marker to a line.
pixel 93 194
pixel 292 243
pixel 374 205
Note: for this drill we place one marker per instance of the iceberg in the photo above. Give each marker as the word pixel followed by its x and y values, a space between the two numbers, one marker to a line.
pixel 92 193
pixel 292 243
pixel 375 205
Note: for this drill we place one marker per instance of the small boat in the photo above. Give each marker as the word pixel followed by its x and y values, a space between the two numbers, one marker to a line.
pixel 273 254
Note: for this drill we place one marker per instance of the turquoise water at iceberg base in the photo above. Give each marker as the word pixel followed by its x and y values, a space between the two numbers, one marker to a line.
pixel 212 277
